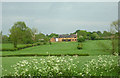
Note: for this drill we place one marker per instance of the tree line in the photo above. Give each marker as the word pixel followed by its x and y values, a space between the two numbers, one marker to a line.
pixel 20 33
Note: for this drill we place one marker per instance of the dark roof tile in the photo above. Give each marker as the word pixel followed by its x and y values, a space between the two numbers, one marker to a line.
pixel 68 36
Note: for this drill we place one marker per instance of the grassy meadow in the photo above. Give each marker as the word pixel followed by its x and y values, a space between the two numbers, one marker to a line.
pixel 92 47
pixel 97 47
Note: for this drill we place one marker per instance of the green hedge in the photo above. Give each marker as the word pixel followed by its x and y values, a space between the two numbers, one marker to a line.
pixel 12 49
pixel 22 47
pixel 29 45
pixel 46 55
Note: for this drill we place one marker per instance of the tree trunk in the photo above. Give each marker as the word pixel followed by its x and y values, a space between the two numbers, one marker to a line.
pixel 113 47
pixel 15 44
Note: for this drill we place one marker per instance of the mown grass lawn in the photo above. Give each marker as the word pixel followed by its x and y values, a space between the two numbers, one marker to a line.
pixel 97 47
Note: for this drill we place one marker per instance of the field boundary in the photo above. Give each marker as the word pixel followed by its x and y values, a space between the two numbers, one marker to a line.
pixel 22 47
pixel 44 55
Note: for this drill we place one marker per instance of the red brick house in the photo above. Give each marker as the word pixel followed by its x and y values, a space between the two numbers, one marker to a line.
pixel 61 38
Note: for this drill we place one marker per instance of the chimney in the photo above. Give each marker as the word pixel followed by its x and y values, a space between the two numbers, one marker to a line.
pixel 76 34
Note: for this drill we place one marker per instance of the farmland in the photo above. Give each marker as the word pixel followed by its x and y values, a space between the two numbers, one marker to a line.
pixel 91 47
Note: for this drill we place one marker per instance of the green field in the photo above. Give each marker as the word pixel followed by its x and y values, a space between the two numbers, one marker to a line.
pixel 89 47
pixel 93 48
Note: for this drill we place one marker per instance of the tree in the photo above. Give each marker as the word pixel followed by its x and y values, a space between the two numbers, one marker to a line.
pixel 41 38
pixel 105 34
pixel 81 39
pixel 18 32
pixel 114 38
pixel 1 37
pixel 27 39
pixel 114 26
pixel 81 33
pixel 34 30
pixel 15 35
pixel 94 36
pixel 53 35
pixel 5 39
pixel 99 33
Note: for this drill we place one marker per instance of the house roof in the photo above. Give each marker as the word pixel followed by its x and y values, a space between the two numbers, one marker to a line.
pixel 67 36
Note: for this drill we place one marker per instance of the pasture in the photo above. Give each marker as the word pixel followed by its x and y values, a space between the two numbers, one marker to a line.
pixel 97 47
pixel 92 47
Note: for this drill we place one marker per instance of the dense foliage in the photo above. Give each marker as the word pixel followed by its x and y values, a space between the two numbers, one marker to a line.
pixel 20 33
pixel 51 66
pixel 81 39
pixel 104 65
pixel 95 35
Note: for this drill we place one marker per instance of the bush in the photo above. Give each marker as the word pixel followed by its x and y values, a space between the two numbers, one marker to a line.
pixel 21 46
pixel 79 46
pixel 39 43
pixel 44 43
pixel 28 45
pixel 35 44
pixel 49 66
pixel 101 66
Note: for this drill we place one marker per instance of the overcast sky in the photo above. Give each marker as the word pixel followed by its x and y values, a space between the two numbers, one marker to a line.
pixel 60 17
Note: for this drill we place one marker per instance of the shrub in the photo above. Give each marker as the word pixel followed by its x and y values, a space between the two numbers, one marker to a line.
pixel 28 45
pixel 79 46
pixel 49 66
pixel 39 43
pixel 44 43
pixel 50 42
pixel 22 47
pixel 102 66
pixel 35 44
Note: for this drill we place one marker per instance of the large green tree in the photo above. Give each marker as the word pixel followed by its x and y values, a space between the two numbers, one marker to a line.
pixel 114 38
pixel 94 36
pixel 81 33
pixel 53 35
pixel 19 33
pixel 5 39
pixel 27 36
pixel 41 38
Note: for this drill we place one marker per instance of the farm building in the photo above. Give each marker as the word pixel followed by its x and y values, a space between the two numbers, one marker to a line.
pixel 72 37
